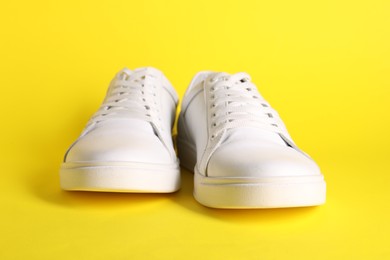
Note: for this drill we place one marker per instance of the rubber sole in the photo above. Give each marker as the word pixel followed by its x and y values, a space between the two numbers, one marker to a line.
pixel 249 192
pixel 275 192
pixel 120 177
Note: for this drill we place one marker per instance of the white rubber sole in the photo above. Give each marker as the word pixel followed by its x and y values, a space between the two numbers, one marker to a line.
pixel 264 192
pixel 120 177
pixel 275 192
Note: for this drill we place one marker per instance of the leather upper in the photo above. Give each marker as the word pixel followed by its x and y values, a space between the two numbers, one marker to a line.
pixel 240 152
pixel 127 138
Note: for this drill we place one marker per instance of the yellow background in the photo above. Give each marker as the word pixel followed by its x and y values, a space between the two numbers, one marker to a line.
pixel 324 65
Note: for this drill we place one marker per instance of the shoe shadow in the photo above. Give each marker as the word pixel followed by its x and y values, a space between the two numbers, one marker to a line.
pixel 185 198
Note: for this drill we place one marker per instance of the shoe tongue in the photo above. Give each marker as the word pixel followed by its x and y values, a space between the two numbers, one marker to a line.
pixel 254 135
pixel 124 74
pixel 149 70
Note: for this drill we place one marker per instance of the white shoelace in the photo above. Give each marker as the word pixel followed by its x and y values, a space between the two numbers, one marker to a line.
pixel 132 94
pixel 236 102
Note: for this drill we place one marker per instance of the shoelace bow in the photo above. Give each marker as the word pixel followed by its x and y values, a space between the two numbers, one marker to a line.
pixel 132 94
pixel 236 102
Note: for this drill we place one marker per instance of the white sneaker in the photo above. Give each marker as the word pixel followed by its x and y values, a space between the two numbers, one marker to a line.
pixel 127 144
pixel 240 150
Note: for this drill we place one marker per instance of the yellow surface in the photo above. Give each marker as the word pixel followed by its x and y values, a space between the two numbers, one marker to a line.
pixel 324 65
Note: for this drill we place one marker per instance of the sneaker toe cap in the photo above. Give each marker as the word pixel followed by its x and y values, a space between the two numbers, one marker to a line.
pixel 120 145
pixel 251 160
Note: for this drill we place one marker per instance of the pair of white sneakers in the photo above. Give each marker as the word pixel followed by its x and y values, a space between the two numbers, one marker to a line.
pixel 237 146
